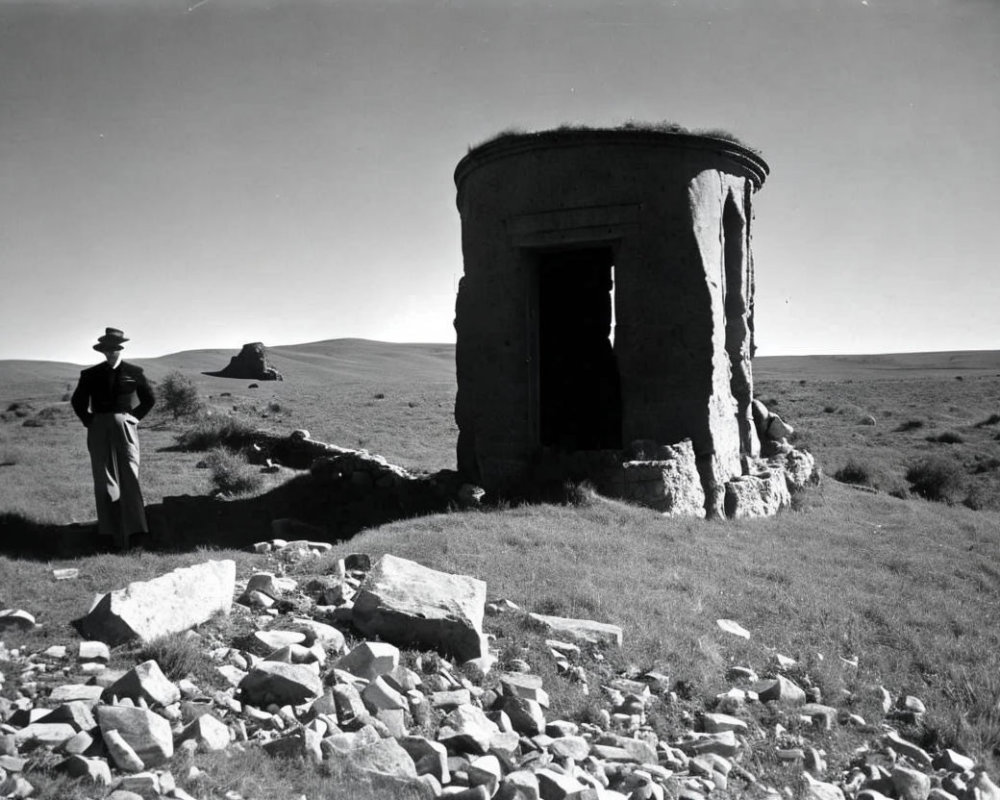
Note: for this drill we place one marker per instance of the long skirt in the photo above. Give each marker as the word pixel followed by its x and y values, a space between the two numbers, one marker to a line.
pixel 113 442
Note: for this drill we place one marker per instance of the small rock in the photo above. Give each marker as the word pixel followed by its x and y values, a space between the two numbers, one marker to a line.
pixel 121 752
pixel 910 784
pixel 16 618
pixel 733 627
pixel 780 689
pixel 818 790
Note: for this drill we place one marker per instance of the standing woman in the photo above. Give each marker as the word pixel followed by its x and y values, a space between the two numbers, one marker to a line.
pixel 103 402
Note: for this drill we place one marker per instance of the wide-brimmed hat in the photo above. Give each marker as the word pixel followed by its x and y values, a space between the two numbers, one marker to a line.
pixel 111 340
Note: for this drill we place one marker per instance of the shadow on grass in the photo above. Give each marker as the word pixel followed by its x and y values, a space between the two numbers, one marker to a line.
pixel 302 508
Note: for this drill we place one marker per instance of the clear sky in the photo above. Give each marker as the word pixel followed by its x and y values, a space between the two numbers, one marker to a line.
pixel 204 173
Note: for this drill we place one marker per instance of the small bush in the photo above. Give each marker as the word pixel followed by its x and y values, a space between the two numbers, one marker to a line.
pixel 177 655
pixel 179 396
pixel 909 425
pixel 17 411
pixel 854 472
pixel 228 431
pixel 977 498
pixel 936 479
pixel 47 416
pixel 948 437
pixel 829 409
pixel 231 474
pixel 992 419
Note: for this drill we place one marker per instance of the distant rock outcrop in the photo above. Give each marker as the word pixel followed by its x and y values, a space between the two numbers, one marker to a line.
pixel 249 364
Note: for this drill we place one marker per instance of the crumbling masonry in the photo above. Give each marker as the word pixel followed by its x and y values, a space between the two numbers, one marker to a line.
pixel 605 317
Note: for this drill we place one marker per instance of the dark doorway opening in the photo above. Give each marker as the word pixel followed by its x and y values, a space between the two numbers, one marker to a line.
pixel 579 386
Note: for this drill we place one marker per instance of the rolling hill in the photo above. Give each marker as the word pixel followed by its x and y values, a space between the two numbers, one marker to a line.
pixel 316 364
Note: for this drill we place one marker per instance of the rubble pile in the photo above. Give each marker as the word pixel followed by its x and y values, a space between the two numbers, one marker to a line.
pixel 322 678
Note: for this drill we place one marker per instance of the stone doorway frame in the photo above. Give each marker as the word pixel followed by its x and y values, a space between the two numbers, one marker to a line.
pixel 530 235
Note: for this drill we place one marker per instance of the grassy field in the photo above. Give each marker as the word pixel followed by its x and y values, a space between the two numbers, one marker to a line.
pixel 908 587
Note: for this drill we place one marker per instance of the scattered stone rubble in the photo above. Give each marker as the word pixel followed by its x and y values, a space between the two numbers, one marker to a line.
pixel 430 731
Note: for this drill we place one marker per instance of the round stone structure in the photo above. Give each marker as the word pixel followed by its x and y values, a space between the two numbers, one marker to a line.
pixel 606 303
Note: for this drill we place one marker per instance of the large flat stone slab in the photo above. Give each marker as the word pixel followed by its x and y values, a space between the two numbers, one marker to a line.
pixel 148 734
pixel 168 604
pixel 404 602
pixel 584 631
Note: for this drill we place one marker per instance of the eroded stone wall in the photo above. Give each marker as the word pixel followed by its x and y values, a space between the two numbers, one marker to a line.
pixel 673 213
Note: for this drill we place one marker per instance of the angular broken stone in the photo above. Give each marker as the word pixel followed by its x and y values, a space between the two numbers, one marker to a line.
pixel 520 784
pixel 781 690
pixel 95 770
pixel 370 659
pixel 913 752
pixel 210 733
pixel 753 496
pixel 910 784
pixel 274 640
pixel 467 729
pixel 145 680
pixel 716 723
pixel 574 747
pixel 94 651
pixel 723 744
pixel 16 618
pixel 121 752
pixel 818 790
pixel 485 771
pixel 167 604
pixel 667 480
pixel 76 713
pixel 47 734
pixel 384 755
pixel 328 636
pixel 404 602
pixel 525 685
pixel 348 702
pixel 284 684
pixel 525 715
pixel 733 627
pixel 148 734
pixel 430 758
pixel 380 696
pixel 553 785
pixel 584 631
pixel 68 692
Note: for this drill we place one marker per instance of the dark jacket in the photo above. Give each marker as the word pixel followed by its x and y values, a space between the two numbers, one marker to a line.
pixel 102 390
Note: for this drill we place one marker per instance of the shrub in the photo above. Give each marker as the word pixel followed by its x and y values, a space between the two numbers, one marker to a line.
pixel 47 416
pixel 936 478
pixel 977 498
pixel 228 431
pixel 854 472
pixel 179 395
pixel 17 411
pixel 231 474
pixel 909 425
pixel 992 419
pixel 948 437
pixel 177 655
